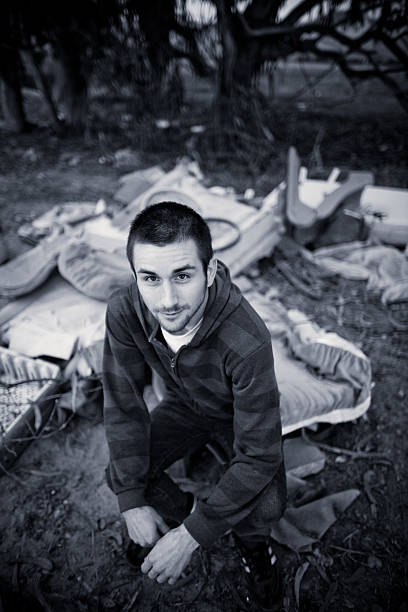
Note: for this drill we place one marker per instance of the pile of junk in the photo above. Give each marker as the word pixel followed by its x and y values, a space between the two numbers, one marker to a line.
pixel 55 294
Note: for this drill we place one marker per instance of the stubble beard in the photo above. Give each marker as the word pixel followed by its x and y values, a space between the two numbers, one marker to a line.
pixel 180 325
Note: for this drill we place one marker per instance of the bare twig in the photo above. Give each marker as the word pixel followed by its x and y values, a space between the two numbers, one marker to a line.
pixel 366 480
pixel 364 440
pixel 345 451
pixel 308 289
pixel 24 381
pixel 13 476
pixel 132 602
pixel 40 473
pixel 43 436
pixel 349 550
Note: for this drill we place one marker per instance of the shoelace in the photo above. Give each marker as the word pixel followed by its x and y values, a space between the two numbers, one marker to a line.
pixel 258 563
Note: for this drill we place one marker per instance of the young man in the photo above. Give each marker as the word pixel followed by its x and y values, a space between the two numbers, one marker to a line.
pixel 184 319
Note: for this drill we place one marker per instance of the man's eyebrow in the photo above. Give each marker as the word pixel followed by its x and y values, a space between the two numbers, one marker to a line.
pixel 143 271
pixel 186 267
pixel 176 271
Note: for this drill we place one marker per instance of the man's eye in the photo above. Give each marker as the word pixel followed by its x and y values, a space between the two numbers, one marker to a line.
pixel 183 276
pixel 150 279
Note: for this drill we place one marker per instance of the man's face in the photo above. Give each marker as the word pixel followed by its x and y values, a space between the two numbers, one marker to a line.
pixel 173 283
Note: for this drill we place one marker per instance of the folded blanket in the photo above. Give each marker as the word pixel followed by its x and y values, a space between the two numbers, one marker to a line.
pixel 385 268
pixel 94 272
pixel 30 269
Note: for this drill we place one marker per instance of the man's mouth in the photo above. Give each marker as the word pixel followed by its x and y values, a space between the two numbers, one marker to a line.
pixel 171 313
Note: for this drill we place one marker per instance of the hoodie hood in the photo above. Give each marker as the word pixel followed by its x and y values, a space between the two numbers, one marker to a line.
pixel 223 298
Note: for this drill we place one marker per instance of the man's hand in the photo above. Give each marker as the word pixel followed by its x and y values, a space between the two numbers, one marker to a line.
pixel 145 526
pixel 170 555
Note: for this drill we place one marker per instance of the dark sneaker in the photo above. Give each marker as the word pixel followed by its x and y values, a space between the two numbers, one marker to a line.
pixel 135 554
pixel 262 575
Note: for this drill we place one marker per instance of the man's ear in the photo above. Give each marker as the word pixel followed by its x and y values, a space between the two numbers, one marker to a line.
pixel 211 271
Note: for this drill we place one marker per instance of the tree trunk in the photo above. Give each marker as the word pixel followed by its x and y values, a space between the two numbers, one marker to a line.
pixel 71 88
pixel 229 53
pixel 41 82
pixel 11 97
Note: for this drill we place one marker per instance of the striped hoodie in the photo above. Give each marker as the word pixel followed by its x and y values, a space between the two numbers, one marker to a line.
pixel 226 371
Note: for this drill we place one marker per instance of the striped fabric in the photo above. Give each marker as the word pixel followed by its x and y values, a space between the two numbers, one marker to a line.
pixel 227 373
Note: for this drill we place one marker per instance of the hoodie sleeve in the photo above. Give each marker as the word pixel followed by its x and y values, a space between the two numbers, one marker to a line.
pixel 126 418
pixel 257 449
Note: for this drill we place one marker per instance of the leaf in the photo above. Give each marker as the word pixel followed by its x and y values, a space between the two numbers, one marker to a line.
pixel 302 569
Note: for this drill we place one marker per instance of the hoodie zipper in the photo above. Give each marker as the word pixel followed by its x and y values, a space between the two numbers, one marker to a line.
pixel 173 360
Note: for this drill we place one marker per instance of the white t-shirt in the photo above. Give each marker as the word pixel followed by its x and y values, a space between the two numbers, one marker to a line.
pixel 174 342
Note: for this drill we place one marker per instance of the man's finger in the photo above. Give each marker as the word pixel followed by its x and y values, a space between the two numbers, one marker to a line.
pixel 141 542
pixel 162 578
pixel 146 565
pixel 153 573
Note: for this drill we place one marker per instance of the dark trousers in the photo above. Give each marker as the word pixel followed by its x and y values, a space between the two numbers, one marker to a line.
pixel 176 432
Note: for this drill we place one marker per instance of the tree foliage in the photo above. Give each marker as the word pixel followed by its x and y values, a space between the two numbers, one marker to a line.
pixel 233 43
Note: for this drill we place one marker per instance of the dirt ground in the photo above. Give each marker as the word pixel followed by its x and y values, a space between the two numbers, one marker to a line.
pixel 61 536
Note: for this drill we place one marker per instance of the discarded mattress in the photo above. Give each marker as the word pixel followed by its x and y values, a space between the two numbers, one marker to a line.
pixel 241 233
pixel 322 377
pixel 384 267
pixel 53 321
pixel 171 195
pixel 137 182
pixel 94 272
pixel 30 269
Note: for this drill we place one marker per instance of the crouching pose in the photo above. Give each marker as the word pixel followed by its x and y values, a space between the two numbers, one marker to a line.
pixel 184 319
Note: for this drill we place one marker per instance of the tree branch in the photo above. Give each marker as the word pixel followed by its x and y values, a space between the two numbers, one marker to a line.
pixel 394 48
pixel 193 55
pixel 310 28
pixel 299 11
pixel 262 12
pixel 196 60
pixel 353 74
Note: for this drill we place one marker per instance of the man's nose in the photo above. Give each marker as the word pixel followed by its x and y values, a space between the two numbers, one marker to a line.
pixel 169 295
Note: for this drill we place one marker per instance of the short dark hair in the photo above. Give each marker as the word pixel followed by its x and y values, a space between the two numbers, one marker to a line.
pixel 168 222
